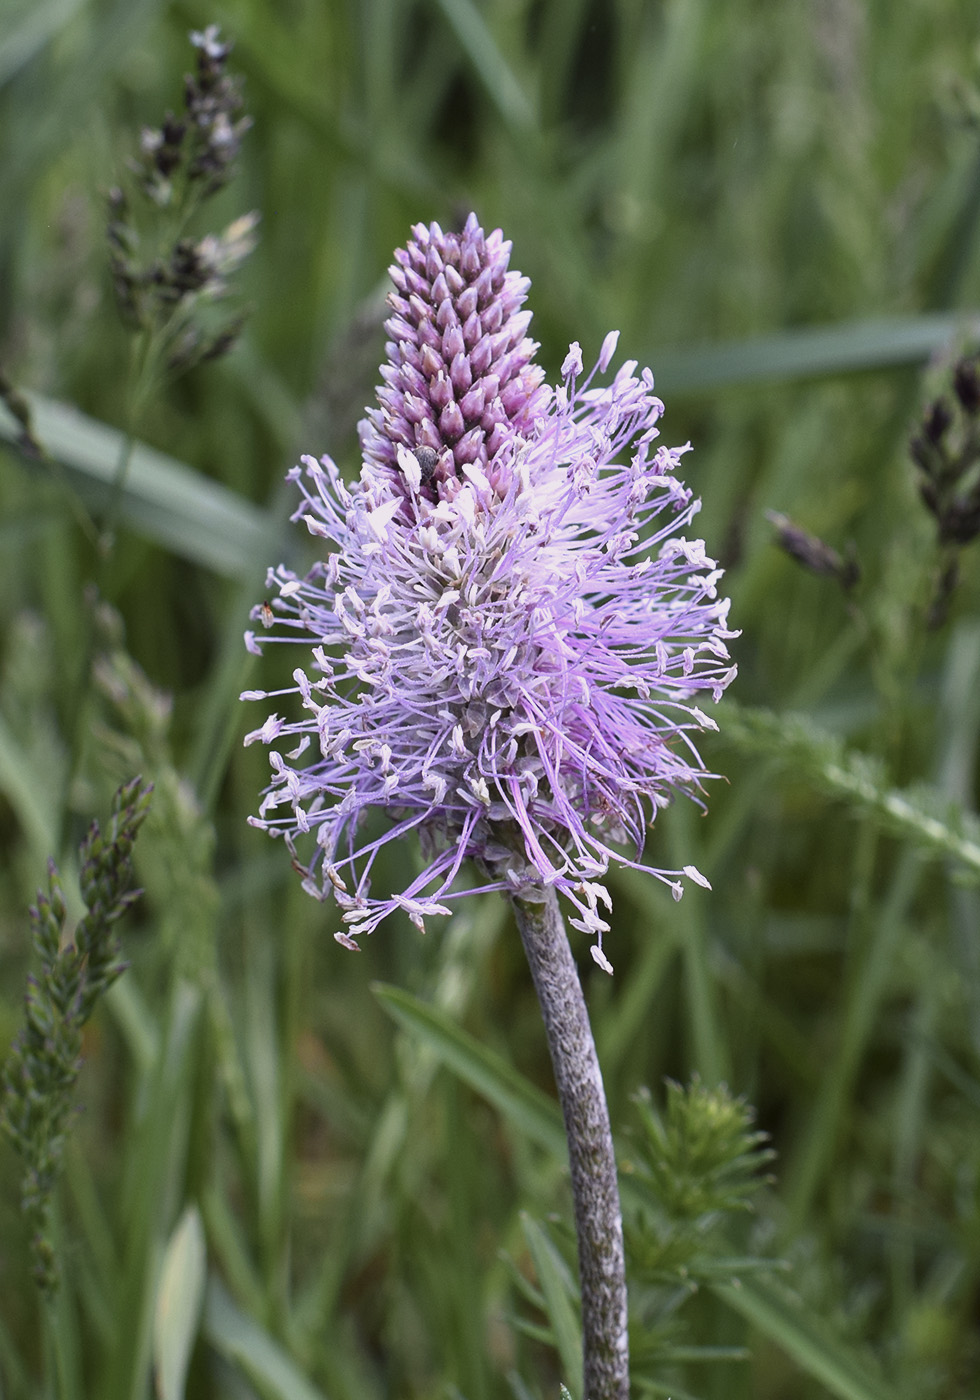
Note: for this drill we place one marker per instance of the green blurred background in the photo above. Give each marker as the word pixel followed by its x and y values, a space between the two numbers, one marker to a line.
pixel 778 206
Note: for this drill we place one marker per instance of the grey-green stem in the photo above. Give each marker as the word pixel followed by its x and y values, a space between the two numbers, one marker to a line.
pixel 595 1190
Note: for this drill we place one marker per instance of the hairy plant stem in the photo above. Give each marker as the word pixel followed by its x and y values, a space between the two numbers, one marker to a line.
pixel 598 1216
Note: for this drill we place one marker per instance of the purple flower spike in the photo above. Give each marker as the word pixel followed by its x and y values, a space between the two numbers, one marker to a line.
pixel 508 632
pixel 460 378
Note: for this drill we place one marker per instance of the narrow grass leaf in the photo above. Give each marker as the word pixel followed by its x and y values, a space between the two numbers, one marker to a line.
pixel 178 1305
pixel 561 33
pixel 698 1355
pixel 98 1264
pixel 535 1331
pixel 137 1024
pixel 34 805
pixel 230 1250
pixel 521 1102
pixel 654 1387
pixel 161 498
pixel 462 1287
pixel 558 1290
pixel 691 935
pixel 842 349
pixel 616 1035
pixel 265 1077
pixel 28 33
pixel 16 1382
pixel 658 86
pixel 516 1098
pixel 61 1332
pixel 156 1168
pixel 812 1346
pixel 493 70
pixel 519 1389
pixel 248 1346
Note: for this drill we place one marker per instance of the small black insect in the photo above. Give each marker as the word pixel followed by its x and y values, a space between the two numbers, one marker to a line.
pixel 428 460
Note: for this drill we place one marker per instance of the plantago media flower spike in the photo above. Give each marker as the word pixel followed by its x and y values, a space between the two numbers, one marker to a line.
pixel 505 637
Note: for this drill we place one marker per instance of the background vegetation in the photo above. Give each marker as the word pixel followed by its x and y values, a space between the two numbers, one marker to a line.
pixel 284 1181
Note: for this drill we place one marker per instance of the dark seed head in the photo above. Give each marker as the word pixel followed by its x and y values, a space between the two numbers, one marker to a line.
pixel 937 420
pixel 966 384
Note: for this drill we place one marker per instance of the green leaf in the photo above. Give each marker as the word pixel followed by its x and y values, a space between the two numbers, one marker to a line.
pixel 531 1111
pixel 854 345
pixel 178 1305
pixel 774 1312
pixel 524 1105
pixel 248 1346
pixel 560 1300
pixel 671 1392
pixel 156 1170
pixel 26 34
pixel 700 1355
pixel 35 804
pixel 161 498
pixel 489 64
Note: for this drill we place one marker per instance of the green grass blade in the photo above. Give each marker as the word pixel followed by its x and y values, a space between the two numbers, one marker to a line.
pixel 157 1165
pixel 230 1251
pixel 495 73
pixel 688 927
pixel 248 1346
pixel 813 1347
pixel 525 1106
pixel 559 1297
pixel 62 1333
pixel 98 1264
pixel 136 1023
pixel 672 1392
pixel 162 499
pixel 30 32
pixel 883 343
pixel 36 806
pixel 616 1035
pixel 178 1305
pixel 561 32
pixel 265 1074
pixel 17 1383
pixel 531 1111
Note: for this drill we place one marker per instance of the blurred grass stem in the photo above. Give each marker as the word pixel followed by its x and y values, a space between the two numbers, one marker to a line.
pixel 141 384
pixel 595 1190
